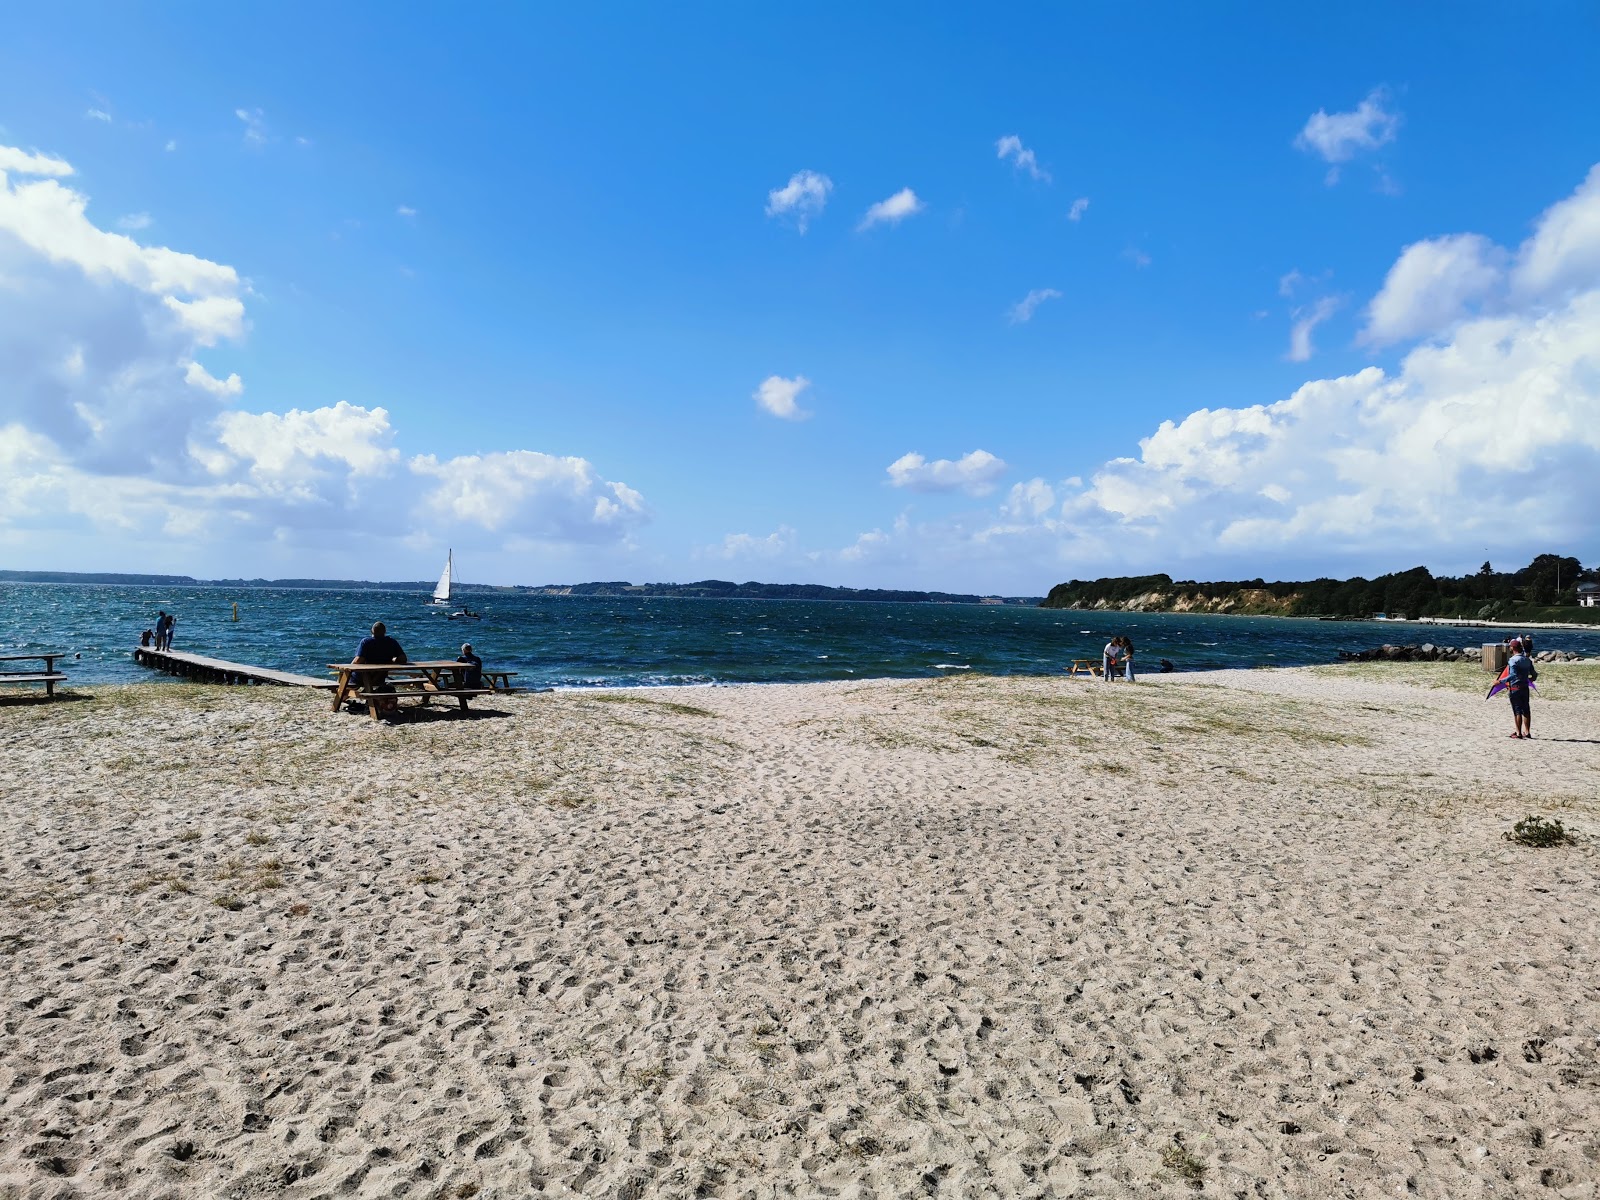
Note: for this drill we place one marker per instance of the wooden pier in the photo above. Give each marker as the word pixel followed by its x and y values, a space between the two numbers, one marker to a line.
pixel 215 670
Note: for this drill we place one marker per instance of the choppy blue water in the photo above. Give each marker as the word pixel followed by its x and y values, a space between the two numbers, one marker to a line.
pixel 565 641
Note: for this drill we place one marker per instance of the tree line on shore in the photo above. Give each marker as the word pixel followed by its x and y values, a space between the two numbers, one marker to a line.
pixel 1550 580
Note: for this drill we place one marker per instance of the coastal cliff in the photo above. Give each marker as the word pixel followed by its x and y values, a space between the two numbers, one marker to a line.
pixel 1545 590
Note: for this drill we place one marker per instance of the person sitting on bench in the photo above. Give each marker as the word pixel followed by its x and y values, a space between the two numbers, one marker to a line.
pixel 472 677
pixel 380 648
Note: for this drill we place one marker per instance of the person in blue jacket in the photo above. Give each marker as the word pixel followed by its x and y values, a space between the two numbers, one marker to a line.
pixel 1520 673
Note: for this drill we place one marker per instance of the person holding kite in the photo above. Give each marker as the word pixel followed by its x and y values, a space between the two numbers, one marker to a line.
pixel 1517 682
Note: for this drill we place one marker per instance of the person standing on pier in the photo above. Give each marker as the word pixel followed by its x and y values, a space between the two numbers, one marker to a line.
pixel 163 623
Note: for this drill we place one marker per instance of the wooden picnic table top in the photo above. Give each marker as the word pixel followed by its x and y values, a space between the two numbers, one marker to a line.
pixel 47 656
pixel 426 665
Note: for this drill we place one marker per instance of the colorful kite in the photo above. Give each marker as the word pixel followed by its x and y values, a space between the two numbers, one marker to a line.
pixel 1503 682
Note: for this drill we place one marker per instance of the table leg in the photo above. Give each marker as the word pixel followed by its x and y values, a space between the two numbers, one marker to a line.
pixel 339 692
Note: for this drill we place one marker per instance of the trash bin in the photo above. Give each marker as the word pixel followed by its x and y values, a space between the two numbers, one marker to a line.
pixel 1495 657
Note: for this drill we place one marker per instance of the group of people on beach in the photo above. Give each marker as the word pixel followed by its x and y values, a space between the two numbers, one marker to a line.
pixel 1117 657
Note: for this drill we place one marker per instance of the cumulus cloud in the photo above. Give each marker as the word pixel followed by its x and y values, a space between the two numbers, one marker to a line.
pixel 778 544
pixel 109 421
pixel 534 495
pixel 1339 137
pixel 801 199
pixel 780 396
pixel 1305 320
pixel 21 162
pixel 1079 207
pixel 1485 435
pixel 974 473
pixel 1564 252
pixel 1022 310
pixel 1431 285
pixel 1439 282
pixel 1021 158
pixel 892 211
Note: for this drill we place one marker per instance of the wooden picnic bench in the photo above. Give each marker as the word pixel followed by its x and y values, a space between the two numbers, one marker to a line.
pixel 424 681
pixel 500 681
pixel 49 676
pixel 1087 666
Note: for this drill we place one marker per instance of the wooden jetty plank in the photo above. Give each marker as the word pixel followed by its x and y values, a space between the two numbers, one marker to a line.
pixel 218 670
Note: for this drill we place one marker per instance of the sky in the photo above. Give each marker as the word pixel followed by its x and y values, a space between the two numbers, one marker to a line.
pixel 886 295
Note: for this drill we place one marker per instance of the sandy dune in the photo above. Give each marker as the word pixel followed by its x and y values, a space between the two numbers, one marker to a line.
pixel 1235 934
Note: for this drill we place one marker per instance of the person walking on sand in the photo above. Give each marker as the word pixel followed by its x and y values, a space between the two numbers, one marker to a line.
pixel 1520 673
pixel 380 649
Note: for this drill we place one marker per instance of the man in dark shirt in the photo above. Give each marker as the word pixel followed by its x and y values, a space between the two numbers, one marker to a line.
pixel 380 648
pixel 472 677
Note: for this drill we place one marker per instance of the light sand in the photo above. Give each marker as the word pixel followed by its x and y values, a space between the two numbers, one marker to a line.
pixel 958 938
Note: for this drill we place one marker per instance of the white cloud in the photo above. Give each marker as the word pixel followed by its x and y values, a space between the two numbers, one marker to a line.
pixel 974 473
pixel 255 125
pixel 779 396
pixel 1029 501
pixel 868 547
pixel 1305 320
pixel 892 211
pixel 1433 284
pixel 210 318
pixel 172 144
pixel 1338 137
pixel 20 162
pixel 108 421
pixel 1486 436
pixel 1022 310
pixel 197 376
pixel 134 222
pixel 1564 251
pixel 778 544
pixel 1287 284
pixel 532 495
pixel 97 114
pixel 1079 207
pixel 405 211
pixel 801 199
pixel 1021 158
pixel 296 453
pixel 1137 257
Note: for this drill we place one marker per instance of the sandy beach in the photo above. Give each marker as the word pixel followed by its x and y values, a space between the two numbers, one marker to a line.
pixel 1242 934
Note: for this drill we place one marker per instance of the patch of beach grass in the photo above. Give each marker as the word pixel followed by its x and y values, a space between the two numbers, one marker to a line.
pixel 1557 681
pixel 1177 1159
pixel 672 706
pixel 1539 832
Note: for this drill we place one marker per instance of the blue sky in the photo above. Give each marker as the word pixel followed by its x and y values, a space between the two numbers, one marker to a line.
pixel 517 281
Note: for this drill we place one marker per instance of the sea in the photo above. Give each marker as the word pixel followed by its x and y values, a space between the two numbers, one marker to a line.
pixel 578 642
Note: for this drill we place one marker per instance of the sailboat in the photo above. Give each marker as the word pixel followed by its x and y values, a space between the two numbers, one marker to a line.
pixel 441 593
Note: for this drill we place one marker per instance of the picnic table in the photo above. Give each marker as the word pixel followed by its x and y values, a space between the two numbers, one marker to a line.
pixel 49 676
pixel 500 681
pixel 374 682
pixel 1087 666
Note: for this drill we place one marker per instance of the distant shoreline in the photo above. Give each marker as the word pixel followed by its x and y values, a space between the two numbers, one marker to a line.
pixel 701 590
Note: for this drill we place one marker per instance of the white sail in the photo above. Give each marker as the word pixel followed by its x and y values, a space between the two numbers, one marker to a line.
pixel 441 593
